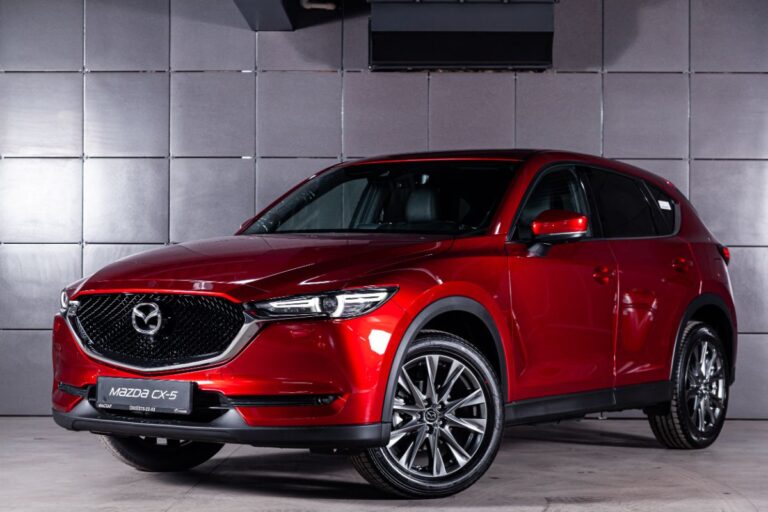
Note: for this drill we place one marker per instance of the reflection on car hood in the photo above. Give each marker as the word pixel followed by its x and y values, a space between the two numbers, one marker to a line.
pixel 270 264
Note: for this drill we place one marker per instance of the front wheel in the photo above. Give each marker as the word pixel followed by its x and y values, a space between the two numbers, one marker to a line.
pixel 155 455
pixel 447 417
pixel 695 415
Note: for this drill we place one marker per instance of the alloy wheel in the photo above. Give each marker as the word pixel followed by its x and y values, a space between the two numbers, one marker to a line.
pixel 705 387
pixel 439 417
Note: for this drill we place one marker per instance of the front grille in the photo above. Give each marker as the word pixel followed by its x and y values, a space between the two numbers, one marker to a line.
pixel 193 328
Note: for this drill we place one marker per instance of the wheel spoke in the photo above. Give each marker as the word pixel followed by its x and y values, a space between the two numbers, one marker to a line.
pixel 437 464
pixel 691 376
pixel 409 456
pixel 695 407
pixel 405 381
pixel 401 432
pixel 703 359
pixel 700 414
pixel 432 364
pixel 474 398
pixel 461 456
pixel 473 424
pixel 454 373
pixel 410 410
pixel 711 364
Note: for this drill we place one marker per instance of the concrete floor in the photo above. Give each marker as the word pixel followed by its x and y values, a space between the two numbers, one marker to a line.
pixel 589 465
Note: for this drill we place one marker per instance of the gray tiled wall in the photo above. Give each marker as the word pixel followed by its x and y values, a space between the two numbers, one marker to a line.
pixel 129 124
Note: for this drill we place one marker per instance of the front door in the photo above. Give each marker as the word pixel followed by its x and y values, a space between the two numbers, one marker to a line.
pixel 563 299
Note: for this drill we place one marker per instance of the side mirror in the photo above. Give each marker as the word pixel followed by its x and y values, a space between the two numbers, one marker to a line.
pixel 554 225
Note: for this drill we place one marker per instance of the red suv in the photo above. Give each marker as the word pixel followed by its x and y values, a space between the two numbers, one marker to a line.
pixel 402 310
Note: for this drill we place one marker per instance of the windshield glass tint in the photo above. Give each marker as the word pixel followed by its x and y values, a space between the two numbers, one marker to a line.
pixel 424 197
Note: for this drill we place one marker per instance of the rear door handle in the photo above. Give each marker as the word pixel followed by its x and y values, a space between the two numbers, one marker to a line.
pixel 603 274
pixel 681 264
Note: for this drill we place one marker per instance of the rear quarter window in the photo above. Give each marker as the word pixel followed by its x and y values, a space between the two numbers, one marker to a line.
pixel 668 210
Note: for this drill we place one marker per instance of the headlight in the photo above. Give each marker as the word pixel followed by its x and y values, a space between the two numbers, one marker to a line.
pixel 64 300
pixel 341 304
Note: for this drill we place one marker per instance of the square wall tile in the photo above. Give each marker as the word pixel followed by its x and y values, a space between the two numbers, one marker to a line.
pixel 577 44
pixel 124 35
pixel 210 35
pixel 126 200
pixel 299 114
pixel 32 277
pixel 646 36
pixel 385 113
pixel 728 36
pixel 315 46
pixel 40 200
pixel 729 116
pixel 732 199
pixel 748 398
pixel 27 374
pixel 98 256
pixel 559 111
pixel 210 197
pixel 356 37
pixel 646 115
pixel 212 114
pixel 276 176
pixel 749 278
pixel 40 35
pixel 471 110
pixel 675 171
pixel 126 114
pixel 41 114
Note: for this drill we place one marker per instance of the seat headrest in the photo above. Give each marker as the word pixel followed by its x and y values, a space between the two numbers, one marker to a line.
pixel 421 205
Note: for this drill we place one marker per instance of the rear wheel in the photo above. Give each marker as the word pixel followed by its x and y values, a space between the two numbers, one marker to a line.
pixel 695 415
pixel 446 421
pixel 156 455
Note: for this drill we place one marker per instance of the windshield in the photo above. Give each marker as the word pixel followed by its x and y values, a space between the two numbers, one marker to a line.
pixel 451 197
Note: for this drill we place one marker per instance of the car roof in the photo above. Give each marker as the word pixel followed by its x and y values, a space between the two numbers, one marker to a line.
pixel 467 154
pixel 518 155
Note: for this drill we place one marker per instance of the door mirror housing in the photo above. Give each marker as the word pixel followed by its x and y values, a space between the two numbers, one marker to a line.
pixel 556 225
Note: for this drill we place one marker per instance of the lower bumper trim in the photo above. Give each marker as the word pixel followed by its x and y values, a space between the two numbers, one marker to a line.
pixel 228 428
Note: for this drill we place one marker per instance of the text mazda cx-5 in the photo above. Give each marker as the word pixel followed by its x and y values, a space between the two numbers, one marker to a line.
pixel 402 310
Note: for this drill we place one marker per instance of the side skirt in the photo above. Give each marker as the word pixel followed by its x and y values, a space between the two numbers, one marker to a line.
pixel 551 408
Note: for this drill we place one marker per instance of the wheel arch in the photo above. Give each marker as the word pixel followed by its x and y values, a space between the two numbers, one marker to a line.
pixel 442 313
pixel 713 310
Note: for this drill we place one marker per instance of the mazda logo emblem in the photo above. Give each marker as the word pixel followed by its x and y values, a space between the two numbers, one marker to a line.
pixel 146 318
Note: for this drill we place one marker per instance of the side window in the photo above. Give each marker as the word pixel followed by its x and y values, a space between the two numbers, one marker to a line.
pixel 667 210
pixel 624 209
pixel 559 189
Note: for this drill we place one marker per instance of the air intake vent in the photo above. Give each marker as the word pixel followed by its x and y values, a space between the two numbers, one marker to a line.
pixel 466 35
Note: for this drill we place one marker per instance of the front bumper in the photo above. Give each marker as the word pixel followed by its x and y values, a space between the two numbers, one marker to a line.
pixel 284 360
pixel 228 428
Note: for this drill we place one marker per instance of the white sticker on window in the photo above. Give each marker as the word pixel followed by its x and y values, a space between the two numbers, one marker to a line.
pixel 664 205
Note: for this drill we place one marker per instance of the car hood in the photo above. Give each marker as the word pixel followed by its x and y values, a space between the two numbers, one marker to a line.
pixel 247 267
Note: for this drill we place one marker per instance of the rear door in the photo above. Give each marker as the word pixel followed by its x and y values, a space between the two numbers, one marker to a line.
pixel 656 275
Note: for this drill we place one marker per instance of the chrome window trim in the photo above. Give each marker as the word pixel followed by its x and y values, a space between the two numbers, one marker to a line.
pixel 246 333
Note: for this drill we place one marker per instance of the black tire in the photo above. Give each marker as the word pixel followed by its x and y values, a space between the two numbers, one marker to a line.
pixel 676 424
pixel 150 454
pixel 453 472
